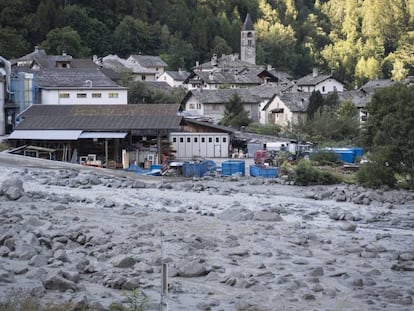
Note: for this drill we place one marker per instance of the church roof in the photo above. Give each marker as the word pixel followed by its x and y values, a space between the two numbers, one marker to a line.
pixel 248 24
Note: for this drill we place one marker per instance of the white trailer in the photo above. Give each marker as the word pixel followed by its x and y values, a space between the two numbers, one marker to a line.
pixel 205 145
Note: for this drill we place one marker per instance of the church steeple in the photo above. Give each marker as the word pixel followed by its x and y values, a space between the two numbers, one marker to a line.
pixel 248 41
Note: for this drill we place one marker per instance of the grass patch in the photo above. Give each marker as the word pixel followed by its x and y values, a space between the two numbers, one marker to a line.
pixel 4 146
pixel 17 302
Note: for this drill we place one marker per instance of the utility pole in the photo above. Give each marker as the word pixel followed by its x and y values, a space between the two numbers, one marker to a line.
pixel 164 279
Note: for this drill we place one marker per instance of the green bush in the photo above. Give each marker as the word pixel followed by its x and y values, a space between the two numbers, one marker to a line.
pixel 374 175
pixel 3 146
pixel 325 157
pixel 24 302
pixel 306 174
pixel 258 128
pixel 137 301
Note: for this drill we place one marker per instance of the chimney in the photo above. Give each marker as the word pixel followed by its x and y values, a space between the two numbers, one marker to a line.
pixel 315 72
pixel 295 86
pixel 214 60
pixel 269 67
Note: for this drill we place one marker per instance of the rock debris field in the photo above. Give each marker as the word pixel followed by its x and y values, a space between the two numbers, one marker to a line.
pixel 231 243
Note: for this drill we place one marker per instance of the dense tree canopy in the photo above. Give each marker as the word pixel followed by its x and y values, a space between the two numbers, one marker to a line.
pixel 234 114
pixel 389 130
pixel 358 40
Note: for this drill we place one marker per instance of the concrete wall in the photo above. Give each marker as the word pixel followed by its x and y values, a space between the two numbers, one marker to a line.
pixel 90 97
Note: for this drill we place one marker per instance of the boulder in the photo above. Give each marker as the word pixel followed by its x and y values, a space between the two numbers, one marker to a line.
pixel 58 282
pixel 123 261
pixel 236 214
pixel 267 216
pixel 191 269
pixel 6 276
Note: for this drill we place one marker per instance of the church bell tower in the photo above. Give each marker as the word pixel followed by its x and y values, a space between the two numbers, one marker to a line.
pixel 248 42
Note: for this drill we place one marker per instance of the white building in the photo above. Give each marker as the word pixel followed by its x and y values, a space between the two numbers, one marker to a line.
pixel 154 66
pixel 78 86
pixel 174 78
pixel 285 109
pixel 207 145
pixel 318 82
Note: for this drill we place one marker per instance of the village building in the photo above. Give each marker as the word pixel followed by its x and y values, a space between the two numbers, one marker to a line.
pixel 211 104
pixel 202 139
pixel 324 83
pixel 153 63
pixel 214 80
pixel 139 67
pixel 110 134
pixel 285 109
pixel 174 78
pixel 248 42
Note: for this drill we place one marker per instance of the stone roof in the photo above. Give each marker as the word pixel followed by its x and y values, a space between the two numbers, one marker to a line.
pixel 226 62
pixel 72 78
pixel 358 97
pixel 248 24
pixel 100 117
pixel 222 96
pixel 312 79
pixel 228 77
pixel 372 85
pixel 120 65
pixel 149 61
pixel 266 91
pixel 178 75
pixel 28 57
pixel 296 101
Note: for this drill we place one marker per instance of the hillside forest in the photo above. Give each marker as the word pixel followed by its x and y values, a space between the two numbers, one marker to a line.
pixel 357 40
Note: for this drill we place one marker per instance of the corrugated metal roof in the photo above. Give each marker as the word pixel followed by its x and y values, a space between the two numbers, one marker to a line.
pixel 86 135
pixel 72 78
pixel 46 134
pixel 101 117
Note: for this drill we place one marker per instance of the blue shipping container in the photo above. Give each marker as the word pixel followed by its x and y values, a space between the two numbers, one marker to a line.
pixel 263 171
pixel 196 169
pixel 233 167
pixel 359 152
pixel 346 155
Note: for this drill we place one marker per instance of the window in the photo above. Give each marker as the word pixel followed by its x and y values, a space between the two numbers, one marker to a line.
pixel 191 106
pixel 217 139
pixel 181 139
pixel 188 140
pixel 143 78
pixel 224 139
pixel 96 95
pixel 210 140
pixel 174 139
pixel 198 106
pixel 113 95
pixel 64 95
pixel 195 139
pixel 323 89
pixel 81 95
pixel 203 139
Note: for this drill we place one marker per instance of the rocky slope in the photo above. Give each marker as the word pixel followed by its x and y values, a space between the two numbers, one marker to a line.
pixel 231 243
